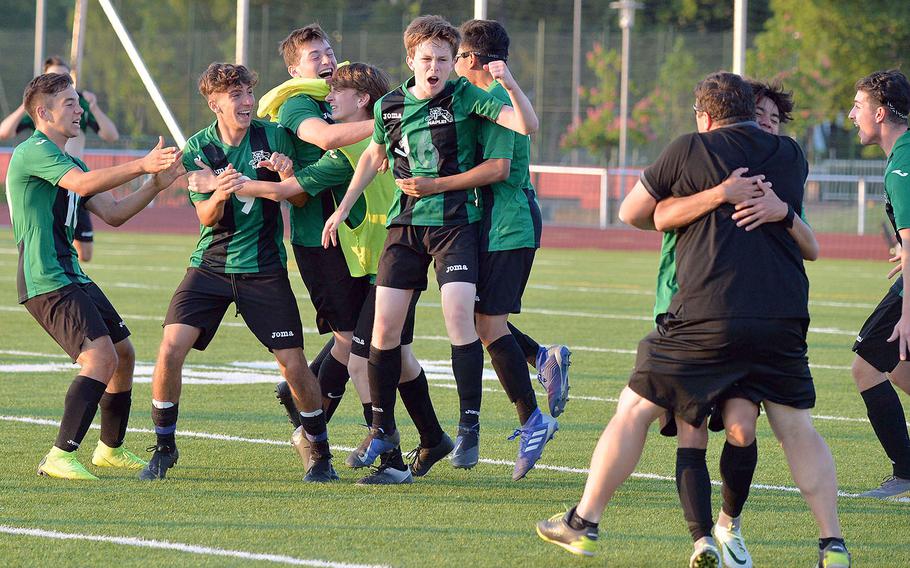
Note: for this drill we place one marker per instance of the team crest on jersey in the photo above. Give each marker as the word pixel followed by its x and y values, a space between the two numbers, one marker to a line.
pixel 439 115
pixel 259 156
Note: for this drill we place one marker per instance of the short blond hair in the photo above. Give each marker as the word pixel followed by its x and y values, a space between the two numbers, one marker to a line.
pixel 427 28
pixel 290 47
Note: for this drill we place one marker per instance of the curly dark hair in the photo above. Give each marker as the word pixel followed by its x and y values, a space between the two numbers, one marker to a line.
pixel 889 89
pixel 776 93
pixel 220 77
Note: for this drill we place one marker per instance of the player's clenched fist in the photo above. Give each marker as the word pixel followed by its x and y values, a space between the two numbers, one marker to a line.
pixel 500 72
pixel 160 158
pixel 280 164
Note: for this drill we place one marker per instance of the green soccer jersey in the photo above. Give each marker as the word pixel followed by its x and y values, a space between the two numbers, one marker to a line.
pixel 44 217
pixel 86 121
pixel 436 137
pixel 248 238
pixel 511 214
pixel 307 221
pixel 666 274
pixel 897 192
pixel 331 175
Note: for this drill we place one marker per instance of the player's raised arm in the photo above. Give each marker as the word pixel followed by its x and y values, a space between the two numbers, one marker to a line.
pixel 485 173
pixel 366 170
pixel 11 122
pixel 519 117
pixel 107 130
pixel 116 212
pixel 327 136
pixel 105 179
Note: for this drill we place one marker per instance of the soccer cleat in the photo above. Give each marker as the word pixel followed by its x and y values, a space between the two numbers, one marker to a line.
pixel 422 459
pixel 380 443
pixel 553 374
pixel 355 458
pixel 63 465
pixel 556 530
pixel 163 459
pixel 286 399
pixel 105 456
pixel 391 471
pixel 303 447
pixel 706 555
pixel 534 435
pixel 834 555
pixel 891 489
pixel 321 470
pixel 467 451
pixel 732 547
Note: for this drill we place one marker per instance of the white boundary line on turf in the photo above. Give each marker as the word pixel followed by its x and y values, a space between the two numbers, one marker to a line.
pixel 180 547
pixel 556 468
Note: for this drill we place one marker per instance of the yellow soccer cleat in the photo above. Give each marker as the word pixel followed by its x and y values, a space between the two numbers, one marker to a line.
pixel 556 530
pixel 106 456
pixel 63 465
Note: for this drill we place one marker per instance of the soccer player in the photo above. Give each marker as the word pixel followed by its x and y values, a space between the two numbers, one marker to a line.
pixel 335 294
pixel 92 117
pixel 756 203
pixel 879 112
pixel 46 186
pixel 745 316
pixel 428 127
pixel 240 258
pixel 510 235
pixel 354 91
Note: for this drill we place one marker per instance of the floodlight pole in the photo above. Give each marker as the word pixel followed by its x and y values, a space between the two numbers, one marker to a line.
pixel 740 17
pixel 78 44
pixel 576 69
pixel 480 9
pixel 143 71
pixel 626 20
pixel 40 10
pixel 243 24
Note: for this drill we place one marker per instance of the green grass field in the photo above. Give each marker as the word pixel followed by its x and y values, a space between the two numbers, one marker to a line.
pixel 238 485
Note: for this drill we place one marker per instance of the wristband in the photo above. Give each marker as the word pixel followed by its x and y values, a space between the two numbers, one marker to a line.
pixel 788 219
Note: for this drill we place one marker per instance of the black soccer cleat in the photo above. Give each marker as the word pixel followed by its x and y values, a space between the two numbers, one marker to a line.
pixel 391 471
pixel 422 459
pixel 286 399
pixel 164 458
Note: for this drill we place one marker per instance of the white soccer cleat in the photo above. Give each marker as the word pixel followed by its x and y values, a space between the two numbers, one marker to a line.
pixel 732 547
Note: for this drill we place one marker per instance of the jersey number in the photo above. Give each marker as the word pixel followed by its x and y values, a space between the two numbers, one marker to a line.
pixel 247 203
pixel 72 204
pixel 422 154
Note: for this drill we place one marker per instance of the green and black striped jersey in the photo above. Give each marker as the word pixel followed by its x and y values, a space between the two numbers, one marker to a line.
pixel 248 238
pixel 511 214
pixel 436 137
pixel 44 217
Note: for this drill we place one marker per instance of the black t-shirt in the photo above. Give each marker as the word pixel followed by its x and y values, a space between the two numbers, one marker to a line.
pixel 724 271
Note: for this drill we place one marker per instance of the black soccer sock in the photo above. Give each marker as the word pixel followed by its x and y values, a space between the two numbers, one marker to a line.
pixel 512 370
pixel 529 347
pixel 467 365
pixel 384 370
pixel 79 409
pixel 317 361
pixel 333 376
pixel 367 413
pixel 887 417
pixel 578 523
pixel 416 398
pixel 694 487
pixel 737 465
pixel 314 426
pixel 165 420
pixel 115 414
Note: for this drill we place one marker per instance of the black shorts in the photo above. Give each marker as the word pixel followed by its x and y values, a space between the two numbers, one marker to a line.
pixel 336 295
pixel 715 419
pixel 363 333
pixel 265 301
pixel 872 341
pixel 75 313
pixel 503 277
pixel 85 232
pixel 409 249
pixel 686 366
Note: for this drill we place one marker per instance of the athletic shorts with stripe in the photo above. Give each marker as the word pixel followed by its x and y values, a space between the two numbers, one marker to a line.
pixel 264 300
pixel 85 231
pixel 363 332
pixel 872 341
pixel 409 250
pixel 337 296
pixel 76 313
pixel 687 366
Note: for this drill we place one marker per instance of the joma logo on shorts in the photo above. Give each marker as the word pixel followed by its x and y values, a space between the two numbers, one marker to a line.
pixel 455 267
pixel 357 340
pixel 277 334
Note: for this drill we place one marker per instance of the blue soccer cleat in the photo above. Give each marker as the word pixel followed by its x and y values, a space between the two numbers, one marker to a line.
pixel 534 435
pixel 467 447
pixel 553 374
pixel 380 443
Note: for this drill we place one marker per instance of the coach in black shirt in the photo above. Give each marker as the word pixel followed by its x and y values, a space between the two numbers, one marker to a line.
pixel 740 315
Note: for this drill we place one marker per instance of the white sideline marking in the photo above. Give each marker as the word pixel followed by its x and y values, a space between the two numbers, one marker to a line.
pixel 180 547
pixel 557 468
